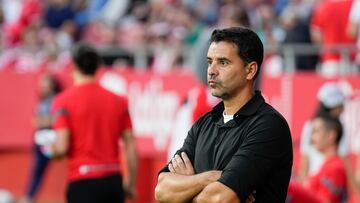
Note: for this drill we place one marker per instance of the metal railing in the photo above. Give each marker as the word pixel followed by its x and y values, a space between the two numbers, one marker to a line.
pixel 140 57
pixel 290 51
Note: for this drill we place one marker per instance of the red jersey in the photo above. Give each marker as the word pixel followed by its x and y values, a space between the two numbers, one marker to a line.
pixel 95 118
pixel 330 18
pixel 298 194
pixel 330 182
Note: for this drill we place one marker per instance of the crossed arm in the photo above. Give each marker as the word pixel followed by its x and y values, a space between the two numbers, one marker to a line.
pixel 181 184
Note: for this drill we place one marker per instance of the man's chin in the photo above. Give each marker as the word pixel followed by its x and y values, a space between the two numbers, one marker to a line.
pixel 217 94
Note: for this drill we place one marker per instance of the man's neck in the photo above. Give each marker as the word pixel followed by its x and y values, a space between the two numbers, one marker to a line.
pixel 233 105
pixel 81 79
pixel 330 152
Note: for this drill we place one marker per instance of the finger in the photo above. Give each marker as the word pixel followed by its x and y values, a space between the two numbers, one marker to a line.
pixel 174 163
pixel 171 168
pixel 186 159
pixel 252 198
pixel 179 161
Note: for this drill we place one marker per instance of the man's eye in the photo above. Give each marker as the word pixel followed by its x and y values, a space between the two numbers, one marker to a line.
pixel 224 63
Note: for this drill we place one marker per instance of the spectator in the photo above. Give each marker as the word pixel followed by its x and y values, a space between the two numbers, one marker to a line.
pixel 354 27
pixel 131 30
pixel 331 102
pixel 329 184
pixel 297 32
pixel 331 34
pixel 58 12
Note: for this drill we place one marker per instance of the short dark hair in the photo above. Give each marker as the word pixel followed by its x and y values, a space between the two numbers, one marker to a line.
pixel 56 84
pixel 332 123
pixel 249 46
pixel 86 58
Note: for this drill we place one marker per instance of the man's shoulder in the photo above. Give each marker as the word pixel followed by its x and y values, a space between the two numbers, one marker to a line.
pixel 268 120
pixel 207 117
pixel 335 164
pixel 64 95
pixel 107 93
pixel 269 112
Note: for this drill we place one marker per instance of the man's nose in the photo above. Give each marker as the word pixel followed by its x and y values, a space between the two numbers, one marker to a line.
pixel 212 70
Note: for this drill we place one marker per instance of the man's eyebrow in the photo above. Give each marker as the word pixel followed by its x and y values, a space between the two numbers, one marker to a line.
pixel 223 59
pixel 219 59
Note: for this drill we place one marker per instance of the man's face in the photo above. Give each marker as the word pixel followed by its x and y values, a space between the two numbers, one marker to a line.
pixel 226 70
pixel 319 136
pixel 45 86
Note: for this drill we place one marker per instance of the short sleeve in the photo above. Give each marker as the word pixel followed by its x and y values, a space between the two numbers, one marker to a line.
pixel 127 120
pixel 333 184
pixel 317 21
pixel 267 147
pixel 60 114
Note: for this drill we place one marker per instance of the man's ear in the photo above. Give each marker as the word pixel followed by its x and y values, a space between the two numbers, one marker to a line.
pixel 251 69
pixel 332 135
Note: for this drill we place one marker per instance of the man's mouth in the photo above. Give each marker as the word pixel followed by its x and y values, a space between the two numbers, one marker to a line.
pixel 212 82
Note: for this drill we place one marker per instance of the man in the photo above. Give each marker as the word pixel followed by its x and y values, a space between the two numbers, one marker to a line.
pixel 330 34
pixel 48 87
pixel 89 121
pixel 353 27
pixel 331 102
pixel 330 182
pixel 243 145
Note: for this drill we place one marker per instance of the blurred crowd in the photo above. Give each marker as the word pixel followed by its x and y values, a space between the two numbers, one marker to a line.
pixel 38 34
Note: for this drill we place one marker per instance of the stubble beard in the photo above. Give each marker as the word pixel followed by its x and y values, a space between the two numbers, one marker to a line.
pixel 221 94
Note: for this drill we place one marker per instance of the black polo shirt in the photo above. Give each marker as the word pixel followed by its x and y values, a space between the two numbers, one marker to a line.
pixel 254 150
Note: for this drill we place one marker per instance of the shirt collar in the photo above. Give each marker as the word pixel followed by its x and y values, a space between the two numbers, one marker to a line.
pixel 247 110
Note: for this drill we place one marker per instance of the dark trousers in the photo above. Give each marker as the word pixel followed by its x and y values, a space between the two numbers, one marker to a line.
pixel 38 170
pixel 100 190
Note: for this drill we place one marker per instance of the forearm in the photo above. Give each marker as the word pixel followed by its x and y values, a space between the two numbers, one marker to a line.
pixel 352 29
pixel 61 146
pixel 132 163
pixel 216 192
pixel 173 187
pixel 43 121
pixel 316 36
pixel 304 167
pixel 57 152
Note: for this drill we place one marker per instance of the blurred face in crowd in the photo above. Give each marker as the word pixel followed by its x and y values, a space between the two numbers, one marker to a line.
pixel 45 86
pixel 320 135
pixel 227 72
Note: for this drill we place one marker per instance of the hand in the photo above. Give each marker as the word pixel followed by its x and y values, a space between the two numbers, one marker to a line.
pixel 130 191
pixel 251 197
pixel 181 165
